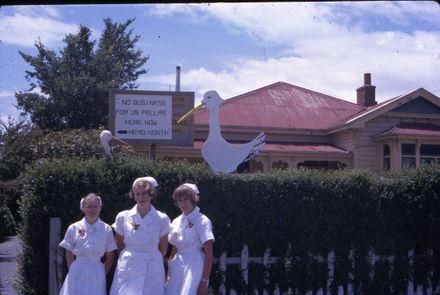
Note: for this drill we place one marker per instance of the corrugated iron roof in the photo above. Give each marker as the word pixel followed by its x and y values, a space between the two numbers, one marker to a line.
pixel 304 148
pixel 282 105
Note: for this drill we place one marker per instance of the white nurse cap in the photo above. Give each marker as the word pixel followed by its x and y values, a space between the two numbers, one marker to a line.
pixel 194 189
pixel 146 178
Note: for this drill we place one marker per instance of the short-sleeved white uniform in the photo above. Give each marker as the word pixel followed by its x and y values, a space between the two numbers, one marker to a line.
pixel 140 269
pixel 188 234
pixel 88 242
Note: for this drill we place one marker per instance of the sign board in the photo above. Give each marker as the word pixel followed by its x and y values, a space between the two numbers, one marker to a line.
pixel 151 116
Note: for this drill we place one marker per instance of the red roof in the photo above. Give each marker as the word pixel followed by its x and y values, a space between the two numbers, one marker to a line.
pixel 414 129
pixel 297 148
pixel 304 148
pixel 282 105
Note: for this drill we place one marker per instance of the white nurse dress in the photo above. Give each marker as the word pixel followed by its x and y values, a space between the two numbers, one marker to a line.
pixel 188 234
pixel 88 242
pixel 140 268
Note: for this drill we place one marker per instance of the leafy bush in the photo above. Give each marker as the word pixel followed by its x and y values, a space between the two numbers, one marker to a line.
pixel 294 213
pixel 22 144
pixel 15 146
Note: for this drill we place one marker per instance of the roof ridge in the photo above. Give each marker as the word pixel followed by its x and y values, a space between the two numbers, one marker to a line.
pixel 323 94
pixel 234 98
pixel 252 91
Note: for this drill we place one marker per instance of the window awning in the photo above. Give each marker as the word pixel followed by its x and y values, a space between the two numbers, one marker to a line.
pixel 411 131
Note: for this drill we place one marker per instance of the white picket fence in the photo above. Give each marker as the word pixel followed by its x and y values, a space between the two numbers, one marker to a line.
pixel 244 262
pixel 266 260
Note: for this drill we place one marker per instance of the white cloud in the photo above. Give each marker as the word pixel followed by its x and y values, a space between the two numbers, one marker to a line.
pixel 191 11
pixel 51 11
pixel 398 12
pixel 6 93
pixel 32 22
pixel 4 118
pixel 38 10
pixel 7 104
pixel 326 47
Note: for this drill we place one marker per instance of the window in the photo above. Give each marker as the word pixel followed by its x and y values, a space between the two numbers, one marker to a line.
pixel 280 165
pixel 429 154
pixel 255 165
pixel 243 167
pixel 386 157
pixel 408 155
pixel 250 166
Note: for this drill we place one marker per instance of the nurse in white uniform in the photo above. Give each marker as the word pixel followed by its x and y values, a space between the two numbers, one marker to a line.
pixel 142 239
pixel 192 238
pixel 85 242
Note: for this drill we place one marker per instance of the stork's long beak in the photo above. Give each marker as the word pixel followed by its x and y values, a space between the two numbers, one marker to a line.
pixel 115 140
pixel 186 116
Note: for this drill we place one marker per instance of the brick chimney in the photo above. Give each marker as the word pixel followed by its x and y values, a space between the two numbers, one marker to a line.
pixel 366 95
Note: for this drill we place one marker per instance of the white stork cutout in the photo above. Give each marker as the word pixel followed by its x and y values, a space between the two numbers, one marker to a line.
pixel 221 155
pixel 107 138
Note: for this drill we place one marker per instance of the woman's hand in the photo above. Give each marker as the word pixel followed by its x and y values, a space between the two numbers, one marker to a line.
pixel 203 288
pixel 69 258
pixel 119 243
pixel 163 244
pixel 209 257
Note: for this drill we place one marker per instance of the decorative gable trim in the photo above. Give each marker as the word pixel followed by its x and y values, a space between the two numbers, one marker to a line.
pixel 418 105
pixel 359 120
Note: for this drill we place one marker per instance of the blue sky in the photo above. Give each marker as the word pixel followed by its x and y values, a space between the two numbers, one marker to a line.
pixel 239 47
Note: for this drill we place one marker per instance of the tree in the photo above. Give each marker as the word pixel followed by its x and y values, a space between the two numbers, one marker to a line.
pixel 16 150
pixel 74 86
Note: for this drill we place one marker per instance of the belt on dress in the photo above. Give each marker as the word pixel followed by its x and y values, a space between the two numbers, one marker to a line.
pixel 142 248
pixel 87 259
pixel 185 251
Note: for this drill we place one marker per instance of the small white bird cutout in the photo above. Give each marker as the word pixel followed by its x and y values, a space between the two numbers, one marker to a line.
pixel 107 138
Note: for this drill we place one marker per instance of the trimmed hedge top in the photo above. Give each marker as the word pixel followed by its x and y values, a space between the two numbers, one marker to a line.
pixel 310 211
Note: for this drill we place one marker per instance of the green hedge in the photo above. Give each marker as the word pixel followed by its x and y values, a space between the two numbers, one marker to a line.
pixel 294 213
